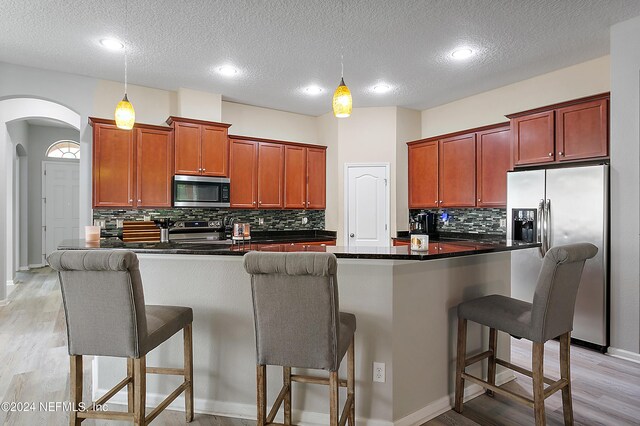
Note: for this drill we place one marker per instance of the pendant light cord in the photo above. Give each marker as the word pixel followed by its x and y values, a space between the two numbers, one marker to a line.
pixel 126 42
pixel 342 40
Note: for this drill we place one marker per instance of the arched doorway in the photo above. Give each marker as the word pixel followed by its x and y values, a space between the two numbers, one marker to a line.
pixel 12 113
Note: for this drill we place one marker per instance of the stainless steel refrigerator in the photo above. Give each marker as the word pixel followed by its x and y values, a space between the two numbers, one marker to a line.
pixel 565 205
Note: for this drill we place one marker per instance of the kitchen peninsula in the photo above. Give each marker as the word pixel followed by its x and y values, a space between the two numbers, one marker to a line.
pixel 404 302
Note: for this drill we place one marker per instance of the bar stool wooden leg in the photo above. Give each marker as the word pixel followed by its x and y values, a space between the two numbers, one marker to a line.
pixel 333 398
pixel 286 379
pixel 460 363
pixel 565 373
pixel 139 390
pixel 351 381
pixel 491 363
pixel 130 399
pixel 75 388
pixel 261 381
pixel 538 383
pixel 188 371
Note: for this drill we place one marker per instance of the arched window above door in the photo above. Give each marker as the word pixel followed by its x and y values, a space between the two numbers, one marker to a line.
pixel 64 149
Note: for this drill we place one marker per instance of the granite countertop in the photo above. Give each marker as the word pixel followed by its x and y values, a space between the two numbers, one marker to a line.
pixel 437 249
pixel 457 236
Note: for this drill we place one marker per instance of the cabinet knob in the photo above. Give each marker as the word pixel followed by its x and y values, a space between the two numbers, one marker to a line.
pixel 436 201
pixel 131 200
pixel 204 170
pixel 254 202
pixel 561 154
pixel 479 199
pixel 551 154
pixel 440 201
pixel 139 201
pixel 352 235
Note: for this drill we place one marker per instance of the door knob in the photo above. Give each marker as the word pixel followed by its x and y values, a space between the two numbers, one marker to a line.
pixel 352 235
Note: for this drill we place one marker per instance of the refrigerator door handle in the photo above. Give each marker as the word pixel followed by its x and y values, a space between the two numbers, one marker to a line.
pixel 541 233
pixel 547 225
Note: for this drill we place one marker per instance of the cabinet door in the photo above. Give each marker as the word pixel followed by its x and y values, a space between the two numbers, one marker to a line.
pixel 533 137
pixel 582 131
pixel 316 178
pixel 154 168
pixel 113 165
pixel 423 175
pixel 187 152
pixel 243 173
pixel 458 171
pixel 493 160
pixel 270 175
pixel 214 151
pixel 295 177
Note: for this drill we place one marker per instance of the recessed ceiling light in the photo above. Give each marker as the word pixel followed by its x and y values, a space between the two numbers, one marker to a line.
pixel 381 88
pixel 227 70
pixel 313 90
pixel 462 53
pixel 112 43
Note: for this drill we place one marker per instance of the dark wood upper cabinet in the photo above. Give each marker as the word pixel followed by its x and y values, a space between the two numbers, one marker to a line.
pixel 295 177
pixel 243 173
pixel 458 171
pixel 215 151
pixel 316 178
pixel 582 131
pixel 533 138
pixel 575 130
pixel 201 147
pixel 154 169
pixel 493 161
pixel 423 175
pixel 187 148
pixel 113 166
pixel 131 168
pixel 270 175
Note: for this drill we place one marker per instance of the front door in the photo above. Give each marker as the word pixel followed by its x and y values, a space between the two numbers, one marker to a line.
pixel 367 205
pixel 61 182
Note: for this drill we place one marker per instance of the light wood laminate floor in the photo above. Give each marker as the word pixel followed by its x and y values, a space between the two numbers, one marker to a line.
pixel 34 367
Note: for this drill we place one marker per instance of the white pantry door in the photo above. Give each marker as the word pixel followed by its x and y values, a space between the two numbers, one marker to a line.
pixel 61 205
pixel 368 206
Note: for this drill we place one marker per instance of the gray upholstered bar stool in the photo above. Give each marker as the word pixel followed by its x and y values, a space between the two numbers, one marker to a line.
pixel 298 324
pixel 549 316
pixel 106 316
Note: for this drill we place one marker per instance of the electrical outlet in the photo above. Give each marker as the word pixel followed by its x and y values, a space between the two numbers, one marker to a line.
pixel 147 218
pixel 305 220
pixel 379 374
pixel 119 223
pixel 503 223
pixel 260 221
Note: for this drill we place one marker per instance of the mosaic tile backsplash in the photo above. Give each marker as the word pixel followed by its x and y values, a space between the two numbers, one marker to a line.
pixel 274 220
pixel 474 221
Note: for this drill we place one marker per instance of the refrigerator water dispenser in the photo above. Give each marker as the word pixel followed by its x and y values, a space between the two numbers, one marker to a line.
pixel 524 225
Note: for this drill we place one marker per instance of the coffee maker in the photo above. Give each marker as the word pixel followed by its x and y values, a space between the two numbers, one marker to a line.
pixel 423 223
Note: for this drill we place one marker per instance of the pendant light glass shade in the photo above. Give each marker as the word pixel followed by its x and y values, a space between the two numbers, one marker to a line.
pixel 342 102
pixel 125 114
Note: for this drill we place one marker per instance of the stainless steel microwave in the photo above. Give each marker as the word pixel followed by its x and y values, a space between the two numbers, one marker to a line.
pixel 200 191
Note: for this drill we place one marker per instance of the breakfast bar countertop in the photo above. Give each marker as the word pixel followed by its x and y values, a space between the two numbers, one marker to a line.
pixel 437 249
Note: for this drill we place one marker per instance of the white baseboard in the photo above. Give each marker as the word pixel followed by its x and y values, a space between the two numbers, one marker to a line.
pixel 248 411
pixel 624 354
pixel 445 403
pixel 23 268
pixel 232 409
pixel 10 287
pixel 36 265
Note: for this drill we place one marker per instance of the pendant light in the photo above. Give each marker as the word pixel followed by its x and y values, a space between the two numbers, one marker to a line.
pixel 342 101
pixel 125 114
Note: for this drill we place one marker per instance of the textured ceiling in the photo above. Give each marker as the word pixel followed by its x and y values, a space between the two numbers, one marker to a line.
pixel 281 46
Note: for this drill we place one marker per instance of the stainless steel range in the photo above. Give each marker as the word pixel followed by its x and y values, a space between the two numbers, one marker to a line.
pixel 198 232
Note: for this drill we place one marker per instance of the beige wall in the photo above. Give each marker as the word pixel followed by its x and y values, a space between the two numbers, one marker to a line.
pixel 152 106
pixel 490 107
pixel 327 128
pixel 199 105
pixel 408 124
pixel 247 120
